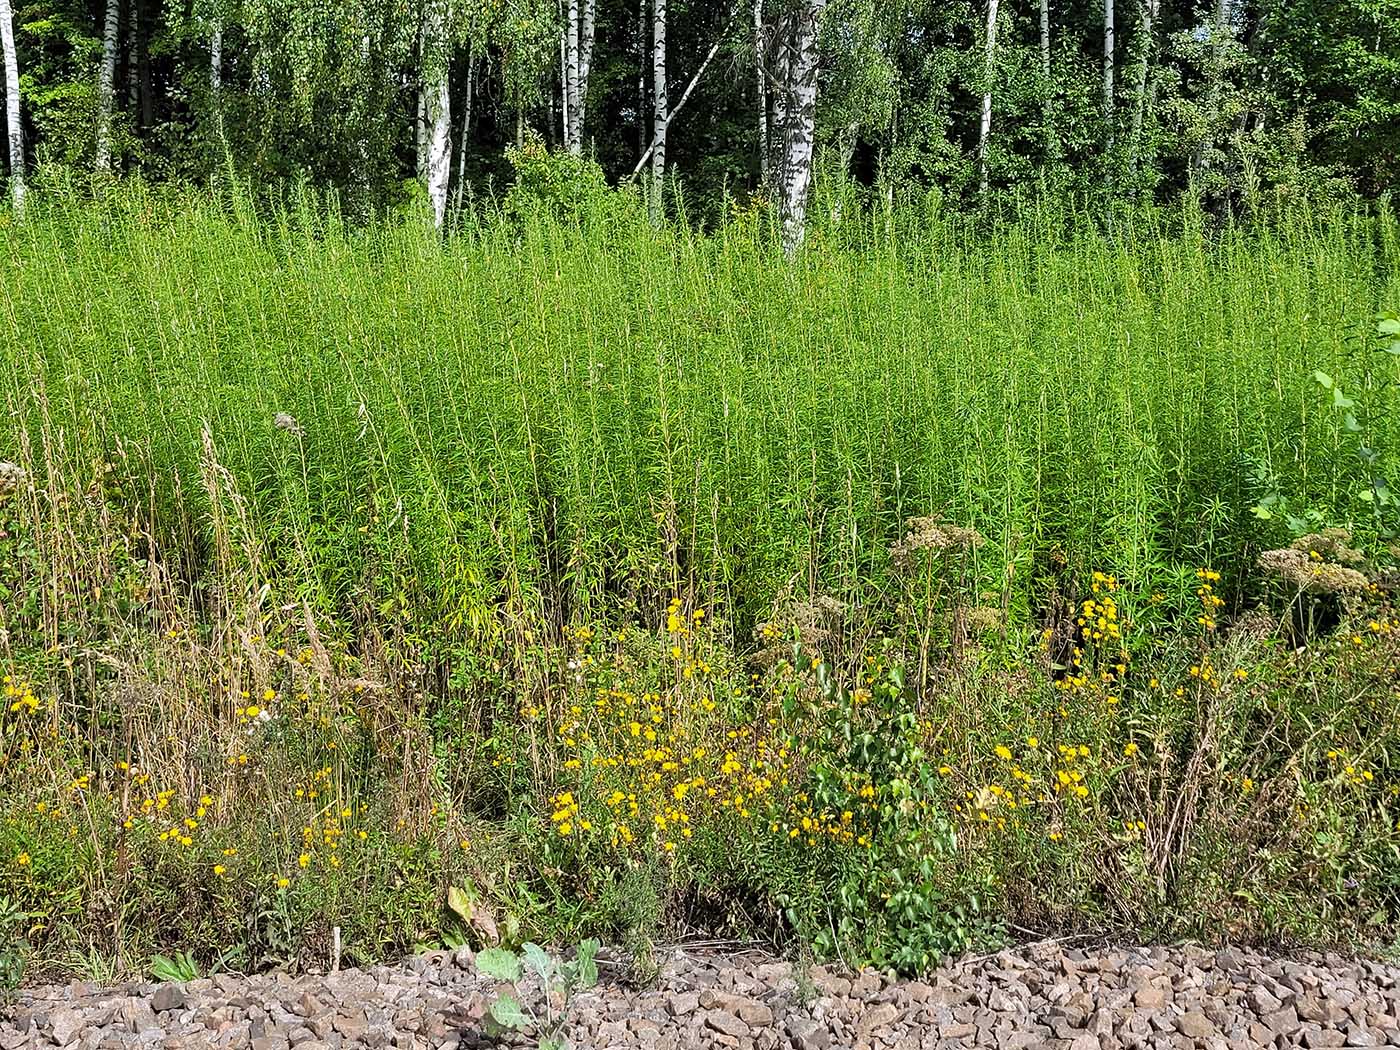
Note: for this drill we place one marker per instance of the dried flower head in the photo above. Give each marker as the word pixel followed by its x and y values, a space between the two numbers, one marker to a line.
pixel 1329 545
pixel 931 534
pixel 11 475
pixel 1306 571
pixel 283 421
pixel 814 620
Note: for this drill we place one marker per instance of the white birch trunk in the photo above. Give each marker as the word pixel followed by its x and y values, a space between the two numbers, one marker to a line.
pixel 985 134
pixel 585 67
pixel 781 54
pixel 106 74
pixel 216 77
pixel 1045 39
pixel 1047 112
pixel 466 131
pixel 760 50
pixel 660 112
pixel 14 131
pixel 800 133
pixel 438 111
pixel 1149 21
pixel 571 52
pixel 1108 50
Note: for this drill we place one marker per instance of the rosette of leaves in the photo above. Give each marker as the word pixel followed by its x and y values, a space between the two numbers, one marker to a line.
pixel 560 982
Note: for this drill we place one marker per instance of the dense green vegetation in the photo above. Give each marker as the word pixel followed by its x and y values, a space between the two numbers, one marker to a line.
pixel 954 579
pixel 1243 102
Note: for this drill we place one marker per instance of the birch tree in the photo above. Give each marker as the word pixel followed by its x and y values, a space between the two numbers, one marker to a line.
pixel 465 133
pixel 985 133
pixel 660 113
pixel 799 131
pixel 570 55
pixel 587 21
pixel 1108 49
pixel 436 59
pixel 14 132
pixel 106 95
pixel 1047 85
pixel 216 75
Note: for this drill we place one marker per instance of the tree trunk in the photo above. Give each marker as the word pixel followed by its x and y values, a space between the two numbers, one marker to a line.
pixel 216 79
pixel 585 66
pixel 466 131
pixel 801 123
pixel 660 111
pixel 1149 22
pixel 685 95
pixel 1108 116
pixel 106 75
pixel 760 50
pixel 1047 112
pixel 14 130
pixel 438 109
pixel 781 53
pixel 989 71
pixel 571 39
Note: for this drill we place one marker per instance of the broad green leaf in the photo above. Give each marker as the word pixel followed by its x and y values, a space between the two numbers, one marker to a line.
pixel 1388 326
pixel 537 959
pixel 459 903
pixel 1351 424
pixel 500 963
pixel 1323 380
pixel 507 1013
pixel 1340 400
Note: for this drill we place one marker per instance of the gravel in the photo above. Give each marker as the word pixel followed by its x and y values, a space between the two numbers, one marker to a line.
pixel 1040 996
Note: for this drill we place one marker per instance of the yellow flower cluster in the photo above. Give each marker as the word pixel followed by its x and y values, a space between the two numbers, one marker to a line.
pixel 20 696
pixel 1098 615
pixel 1210 601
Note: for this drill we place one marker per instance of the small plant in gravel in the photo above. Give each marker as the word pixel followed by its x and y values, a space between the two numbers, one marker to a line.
pixel 560 981
pixel 13 948
pixel 179 967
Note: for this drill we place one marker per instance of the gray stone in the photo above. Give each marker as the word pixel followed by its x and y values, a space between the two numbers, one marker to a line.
pixel 807 1034
pixel 168 997
pixel 727 1024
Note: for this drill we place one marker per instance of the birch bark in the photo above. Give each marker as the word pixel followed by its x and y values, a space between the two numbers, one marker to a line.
pixel 14 131
pixel 438 110
pixel 660 112
pixel 800 131
pixel 985 133
pixel 106 95
pixel 1108 49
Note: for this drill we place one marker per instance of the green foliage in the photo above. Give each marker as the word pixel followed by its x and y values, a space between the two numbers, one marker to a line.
pixel 14 947
pixel 330 541
pixel 179 966
pixel 559 980
pixel 893 904
pixel 558 185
